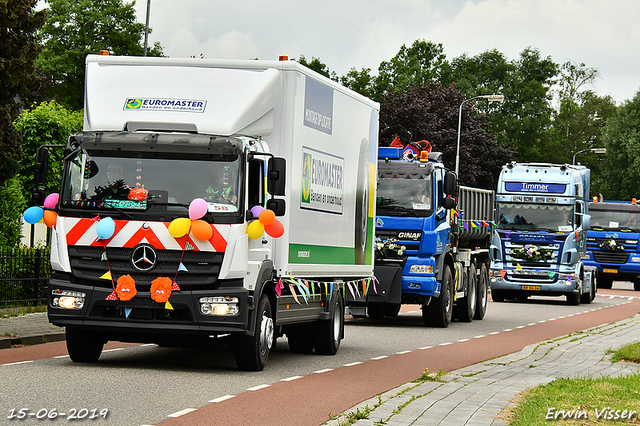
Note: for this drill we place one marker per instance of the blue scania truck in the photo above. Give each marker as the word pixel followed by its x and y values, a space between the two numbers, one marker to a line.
pixel 612 242
pixel 539 244
pixel 431 245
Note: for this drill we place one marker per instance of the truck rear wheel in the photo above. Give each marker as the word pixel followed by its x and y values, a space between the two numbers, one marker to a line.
pixel 439 313
pixel 573 299
pixel 483 292
pixel 83 346
pixel 329 333
pixel 465 308
pixel 252 352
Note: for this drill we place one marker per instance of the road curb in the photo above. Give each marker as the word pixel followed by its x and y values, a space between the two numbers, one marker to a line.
pixel 8 342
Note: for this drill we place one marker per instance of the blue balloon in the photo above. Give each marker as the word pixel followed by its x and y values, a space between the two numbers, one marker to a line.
pixel 33 215
pixel 105 228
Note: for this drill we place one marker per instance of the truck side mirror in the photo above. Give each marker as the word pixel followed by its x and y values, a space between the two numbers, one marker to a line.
pixel 278 206
pixel 450 184
pixel 41 166
pixel 276 173
pixel 448 203
pixel 586 222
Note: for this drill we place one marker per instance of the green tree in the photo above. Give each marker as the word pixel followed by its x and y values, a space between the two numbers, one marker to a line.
pixel 620 169
pixel 47 123
pixel 360 81
pixel 18 49
pixel 12 205
pixel 318 66
pixel 430 112
pixel 76 28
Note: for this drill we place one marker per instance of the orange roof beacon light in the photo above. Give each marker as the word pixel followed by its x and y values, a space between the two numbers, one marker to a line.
pixel 424 156
pixel 283 58
pixel 634 201
pixel 104 53
pixel 595 198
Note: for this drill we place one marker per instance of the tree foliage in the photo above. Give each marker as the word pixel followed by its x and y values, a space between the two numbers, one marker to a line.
pixel 76 28
pixel 18 49
pixel 12 204
pixel 430 112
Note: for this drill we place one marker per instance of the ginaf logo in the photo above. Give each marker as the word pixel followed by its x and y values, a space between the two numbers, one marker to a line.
pixel 306 179
pixel 133 104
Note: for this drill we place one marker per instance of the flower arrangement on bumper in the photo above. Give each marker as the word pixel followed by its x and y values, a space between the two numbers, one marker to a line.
pixel 532 253
pixel 610 245
pixel 388 248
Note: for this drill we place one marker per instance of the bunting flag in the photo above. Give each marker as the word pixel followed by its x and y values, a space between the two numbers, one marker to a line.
pixel 473 224
pixel 279 287
pixel 293 293
pixel 518 267
pixel 503 273
pixel 112 296
pixel 552 274
pixel 127 312
pixel 485 224
pixel 106 276
pixel 175 286
pixel 104 255
pixel 507 234
pixel 466 225
pixel 182 267
pixel 168 306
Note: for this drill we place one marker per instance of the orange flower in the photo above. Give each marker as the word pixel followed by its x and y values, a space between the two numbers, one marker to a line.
pixel 161 289
pixel 126 288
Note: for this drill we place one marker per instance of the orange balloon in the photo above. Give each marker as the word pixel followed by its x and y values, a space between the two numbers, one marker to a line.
pixel 201 230
pixel 275 229
pixel 267 217
pixel 50 218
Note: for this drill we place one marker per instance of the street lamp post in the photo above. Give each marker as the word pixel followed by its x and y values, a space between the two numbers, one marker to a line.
pixel 596 150
pixel 146 28
pixel 490 98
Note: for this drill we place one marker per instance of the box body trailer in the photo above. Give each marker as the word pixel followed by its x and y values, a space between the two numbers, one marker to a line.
pixel 428 252
pixel 539 244
pixel 233 198
pixel 612 242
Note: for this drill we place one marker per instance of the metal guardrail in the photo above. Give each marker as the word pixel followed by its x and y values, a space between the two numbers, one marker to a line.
pixel 23 275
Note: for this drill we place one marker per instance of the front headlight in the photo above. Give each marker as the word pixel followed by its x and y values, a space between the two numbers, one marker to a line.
pixel 421 269
pixel 67 299
pixel 219 305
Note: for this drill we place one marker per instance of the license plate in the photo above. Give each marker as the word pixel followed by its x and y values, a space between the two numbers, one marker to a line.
pixel 531 287
pixel 610 271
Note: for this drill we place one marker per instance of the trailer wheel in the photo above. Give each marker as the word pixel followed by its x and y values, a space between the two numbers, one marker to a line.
pixel 252 352
pixel 465 308
pixel 329 333
pixel 483 292
pixel 83 346
pixel 300 338
pixel 439 313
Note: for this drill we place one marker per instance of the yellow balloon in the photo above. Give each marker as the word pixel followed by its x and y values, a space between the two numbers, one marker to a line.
pixel 255 230
pixel 179 227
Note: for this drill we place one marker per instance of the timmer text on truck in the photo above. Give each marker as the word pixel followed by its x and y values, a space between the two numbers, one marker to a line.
pixel 175 222
pixel 428 253
pixel 612 242
pixel 540 241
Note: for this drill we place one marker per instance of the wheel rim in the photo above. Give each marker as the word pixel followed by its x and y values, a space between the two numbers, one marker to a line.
pixel 336 324
pixel 266 334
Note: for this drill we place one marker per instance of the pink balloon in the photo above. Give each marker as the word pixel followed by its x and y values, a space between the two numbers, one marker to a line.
pixel 51 201
pixel 197 208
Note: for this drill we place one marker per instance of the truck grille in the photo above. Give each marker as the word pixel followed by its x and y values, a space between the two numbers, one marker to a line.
pixel 88 266
pixel 411 246
pixel 510 249
pixel 618 257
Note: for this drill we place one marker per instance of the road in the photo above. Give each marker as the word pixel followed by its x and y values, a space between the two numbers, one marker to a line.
pixel 146 384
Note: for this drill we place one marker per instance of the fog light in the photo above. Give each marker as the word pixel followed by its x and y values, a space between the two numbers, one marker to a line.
pixel 421 269
pixel 219 305
pixel 68 299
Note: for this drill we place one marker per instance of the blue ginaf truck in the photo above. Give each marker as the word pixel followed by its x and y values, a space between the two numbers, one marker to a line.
pixel 539 244
pixel 612 242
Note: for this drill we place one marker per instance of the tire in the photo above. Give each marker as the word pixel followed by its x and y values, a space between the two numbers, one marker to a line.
pixel 604 282
pixel 377 310
pixel 362 204
pixel 328 334
pixel 573 299
pixel 439 313
pixel 482 293
pixel 393 309
pixel 252 352
pixel 588 297
pixel 465 308
pixel 300 338
pixel 83 346
pixel 497 295
pixel 636 284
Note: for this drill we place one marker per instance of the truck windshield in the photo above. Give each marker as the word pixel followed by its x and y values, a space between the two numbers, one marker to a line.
pixel 615 220
pixel 107 182
pixel 546 217
pixel 408 195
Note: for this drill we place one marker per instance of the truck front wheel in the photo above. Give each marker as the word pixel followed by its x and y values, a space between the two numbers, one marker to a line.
pixel 83 346
pixel 439 312
pixel 252 352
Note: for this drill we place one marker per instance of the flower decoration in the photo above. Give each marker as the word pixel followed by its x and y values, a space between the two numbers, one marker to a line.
pixel 126 288
pixel 610 245
pixel 161 289
pixel 532 253
pixel 388 248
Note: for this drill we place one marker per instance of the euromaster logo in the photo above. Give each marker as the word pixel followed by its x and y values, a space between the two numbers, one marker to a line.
pixel 165 104
pixel 306 178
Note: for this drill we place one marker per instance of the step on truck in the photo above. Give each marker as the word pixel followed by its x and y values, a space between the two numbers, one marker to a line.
pixel 539 246
pixel 211 201
pixel 430 250
pixel 612 242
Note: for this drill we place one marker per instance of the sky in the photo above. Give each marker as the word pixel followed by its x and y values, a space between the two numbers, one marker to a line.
pixel 346 34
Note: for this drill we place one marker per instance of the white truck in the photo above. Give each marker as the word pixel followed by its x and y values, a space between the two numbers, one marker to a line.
pixel 175 223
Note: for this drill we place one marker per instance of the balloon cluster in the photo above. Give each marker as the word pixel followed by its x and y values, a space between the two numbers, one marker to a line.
pixel 201 230
pixel 37 214
pixel 266 222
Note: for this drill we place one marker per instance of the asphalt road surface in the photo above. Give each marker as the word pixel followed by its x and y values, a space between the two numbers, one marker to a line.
pixel 147 384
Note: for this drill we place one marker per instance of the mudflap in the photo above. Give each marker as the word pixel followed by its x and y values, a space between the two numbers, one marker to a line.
pixel 388 288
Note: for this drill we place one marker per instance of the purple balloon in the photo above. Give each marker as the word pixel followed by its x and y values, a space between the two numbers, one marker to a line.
pixel 198 208
pixel 51 201
pixel 256 210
